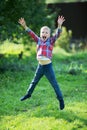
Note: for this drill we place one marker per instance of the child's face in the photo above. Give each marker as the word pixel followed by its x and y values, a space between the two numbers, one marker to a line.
pixel 44 33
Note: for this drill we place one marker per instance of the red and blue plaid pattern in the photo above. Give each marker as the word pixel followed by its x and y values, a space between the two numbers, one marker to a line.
pixel 44 48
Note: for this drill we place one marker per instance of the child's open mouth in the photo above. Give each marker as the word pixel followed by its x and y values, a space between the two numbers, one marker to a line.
pixel 44 37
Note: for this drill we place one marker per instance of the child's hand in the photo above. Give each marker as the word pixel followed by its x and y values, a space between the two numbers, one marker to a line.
pixel 22 22
pixel 60 20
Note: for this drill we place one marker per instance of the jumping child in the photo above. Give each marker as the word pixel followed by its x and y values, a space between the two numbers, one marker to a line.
pixel 45 44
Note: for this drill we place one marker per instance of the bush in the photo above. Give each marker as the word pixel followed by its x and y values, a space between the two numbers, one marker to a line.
pixel 64 40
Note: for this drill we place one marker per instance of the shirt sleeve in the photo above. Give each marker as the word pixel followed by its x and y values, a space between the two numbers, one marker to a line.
pixel 32 34
pixel 55 37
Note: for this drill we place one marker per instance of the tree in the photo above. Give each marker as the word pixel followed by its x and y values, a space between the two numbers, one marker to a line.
pixel 34 12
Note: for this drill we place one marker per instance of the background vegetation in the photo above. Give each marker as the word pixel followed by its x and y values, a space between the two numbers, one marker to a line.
pixel 34 12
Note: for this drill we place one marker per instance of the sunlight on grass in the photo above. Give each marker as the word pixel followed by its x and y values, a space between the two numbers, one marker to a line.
pixel 24 122
pixel 72 118
pixel 79 108
pixel 60 51
pixel 11 48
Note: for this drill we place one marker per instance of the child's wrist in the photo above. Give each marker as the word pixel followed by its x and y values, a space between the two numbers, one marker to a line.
pixel 59 26
pixel 25 27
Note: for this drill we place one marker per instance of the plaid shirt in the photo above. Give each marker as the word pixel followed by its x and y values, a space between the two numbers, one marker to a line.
pixel 44 48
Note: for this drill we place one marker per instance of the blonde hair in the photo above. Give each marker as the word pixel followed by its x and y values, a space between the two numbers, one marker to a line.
pixel 45 27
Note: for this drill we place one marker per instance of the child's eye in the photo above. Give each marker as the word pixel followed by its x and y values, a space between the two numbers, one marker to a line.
pixel 46 32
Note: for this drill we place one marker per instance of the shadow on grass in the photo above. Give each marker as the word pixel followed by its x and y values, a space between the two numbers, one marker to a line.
pixel 14 63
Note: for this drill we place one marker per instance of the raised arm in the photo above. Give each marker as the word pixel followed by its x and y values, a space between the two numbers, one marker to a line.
pixel 22 22
pixel 60 21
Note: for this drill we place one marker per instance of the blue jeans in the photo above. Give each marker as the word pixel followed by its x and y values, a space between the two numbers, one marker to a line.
pixel 48 71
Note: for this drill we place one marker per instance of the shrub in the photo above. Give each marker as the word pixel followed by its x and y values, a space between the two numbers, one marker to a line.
pixel 64 40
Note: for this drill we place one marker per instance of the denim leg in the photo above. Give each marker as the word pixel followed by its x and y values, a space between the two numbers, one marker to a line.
pixel 49 73
pixel 37 77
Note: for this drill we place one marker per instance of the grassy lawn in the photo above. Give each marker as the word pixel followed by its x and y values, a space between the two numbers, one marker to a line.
pixel 41 111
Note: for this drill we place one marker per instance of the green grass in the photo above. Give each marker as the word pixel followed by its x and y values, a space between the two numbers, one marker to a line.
pixel 41 111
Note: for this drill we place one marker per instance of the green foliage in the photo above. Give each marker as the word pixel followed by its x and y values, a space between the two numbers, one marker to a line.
pixel 34 12
pixel 65 38
pixel 75 68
